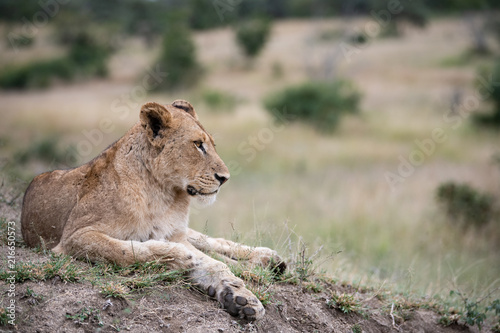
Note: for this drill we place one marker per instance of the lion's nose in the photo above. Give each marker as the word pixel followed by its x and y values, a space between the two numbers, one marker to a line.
pixel 221 178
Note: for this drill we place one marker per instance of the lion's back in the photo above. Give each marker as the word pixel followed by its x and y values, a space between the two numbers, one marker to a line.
pixel 47 204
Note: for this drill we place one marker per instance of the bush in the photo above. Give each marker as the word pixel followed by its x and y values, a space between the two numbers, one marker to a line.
pixel 318 103
pixel 86 58
pixel 464 204
pixel 37 74
pixel 493 118
pixel 178 56
pixel 252 35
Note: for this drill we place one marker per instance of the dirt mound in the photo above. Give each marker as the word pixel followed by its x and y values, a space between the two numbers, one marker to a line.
pixel 65 295
pixel 57 306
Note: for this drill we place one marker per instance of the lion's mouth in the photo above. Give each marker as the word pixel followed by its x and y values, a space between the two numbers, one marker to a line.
pixel 193 191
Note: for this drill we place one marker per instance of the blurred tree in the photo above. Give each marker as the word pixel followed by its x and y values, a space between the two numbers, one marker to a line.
pixel 146 19
pixel 392 18
pixel 209 14
pixel 133 15
pixel 493 88
pixel 88 55
pixel 15 10
pixel 178 55
pixel 478 32
pixel 252 35
pixel 493 25
pixel 459 6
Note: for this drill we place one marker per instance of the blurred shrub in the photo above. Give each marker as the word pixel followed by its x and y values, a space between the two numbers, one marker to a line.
pixel 37 74
pixel 86 58
pixel 493 118
pixel 252 35
pixel 464 204
pixel 320 104
pixel 219 101
pixel 19 41
pixel 45 150
pixel 358 39
pixel 178 56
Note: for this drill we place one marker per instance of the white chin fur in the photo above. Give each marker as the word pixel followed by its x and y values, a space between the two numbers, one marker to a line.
pixel 205 200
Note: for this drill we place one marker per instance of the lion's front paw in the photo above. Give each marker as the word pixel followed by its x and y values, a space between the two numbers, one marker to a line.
pixel 238 301
pixel 268 258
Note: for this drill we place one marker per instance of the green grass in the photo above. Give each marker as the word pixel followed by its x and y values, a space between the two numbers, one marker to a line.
pixel 60 266
pixel 4 319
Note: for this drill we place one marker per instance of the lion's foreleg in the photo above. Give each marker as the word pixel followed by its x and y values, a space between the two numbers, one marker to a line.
pixel 217 280
pixel 97 246
pixel 261 256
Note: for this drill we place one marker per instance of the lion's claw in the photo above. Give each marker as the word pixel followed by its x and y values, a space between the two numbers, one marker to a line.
pixel 277 268
pixel 267 258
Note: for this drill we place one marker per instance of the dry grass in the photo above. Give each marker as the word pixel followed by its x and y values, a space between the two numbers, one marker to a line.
pixel 331 190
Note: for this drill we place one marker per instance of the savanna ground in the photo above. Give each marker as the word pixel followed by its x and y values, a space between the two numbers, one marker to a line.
pixel 322 201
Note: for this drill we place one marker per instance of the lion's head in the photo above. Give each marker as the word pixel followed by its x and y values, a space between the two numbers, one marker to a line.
pixel 183 153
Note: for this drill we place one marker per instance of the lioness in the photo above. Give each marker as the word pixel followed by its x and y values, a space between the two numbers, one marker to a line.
pixel 131 204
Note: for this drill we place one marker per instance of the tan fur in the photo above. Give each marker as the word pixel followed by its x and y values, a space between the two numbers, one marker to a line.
pixel 131 204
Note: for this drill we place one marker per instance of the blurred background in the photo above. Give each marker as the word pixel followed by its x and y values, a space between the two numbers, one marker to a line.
pixel 362 136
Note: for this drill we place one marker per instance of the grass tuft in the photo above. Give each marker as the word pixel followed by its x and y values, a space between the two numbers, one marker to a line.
pixel 86 314
pixel 114 289
pixel 344 302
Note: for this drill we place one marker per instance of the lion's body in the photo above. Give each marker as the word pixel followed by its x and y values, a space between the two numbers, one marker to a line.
pixel 131 203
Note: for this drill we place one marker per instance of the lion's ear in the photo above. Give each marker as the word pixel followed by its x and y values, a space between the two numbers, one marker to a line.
pixel 154 118
pixel 186 106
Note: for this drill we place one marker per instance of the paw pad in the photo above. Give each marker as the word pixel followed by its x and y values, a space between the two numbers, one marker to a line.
pixel 241 300
pixel 240 306
pixel 211 291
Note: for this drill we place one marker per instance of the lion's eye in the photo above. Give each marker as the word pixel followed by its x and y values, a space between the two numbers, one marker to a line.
pixel 199 145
